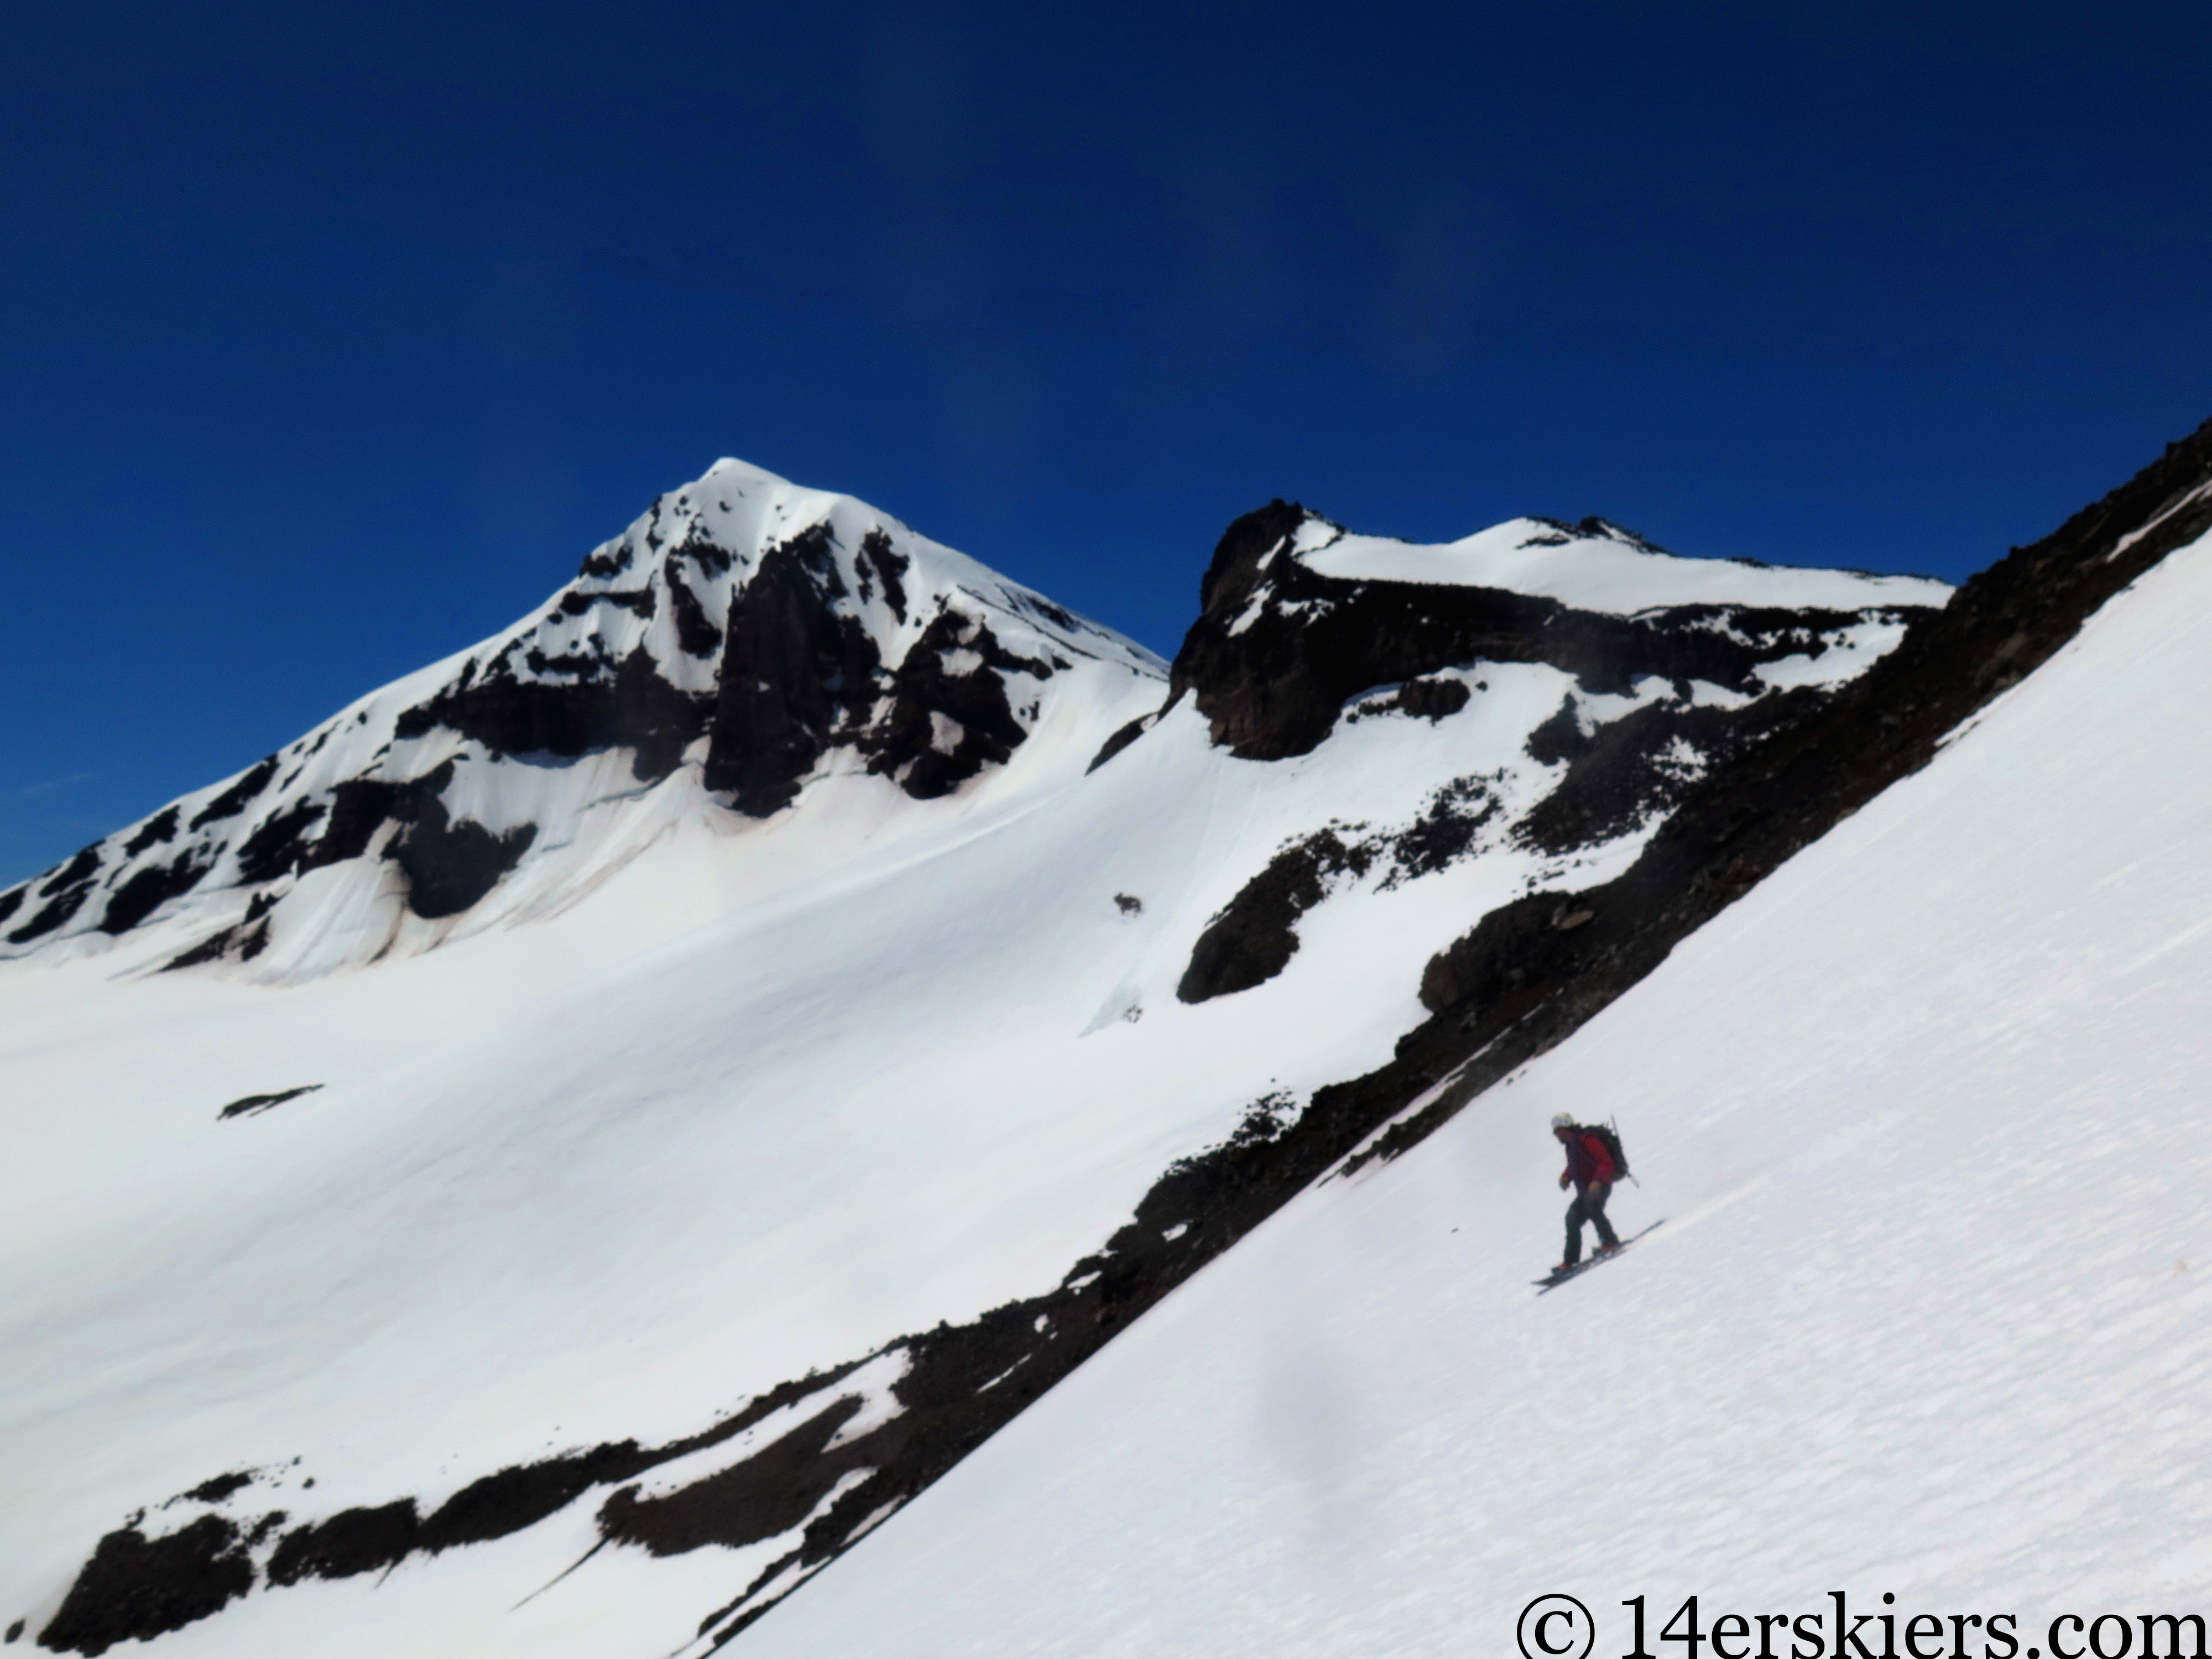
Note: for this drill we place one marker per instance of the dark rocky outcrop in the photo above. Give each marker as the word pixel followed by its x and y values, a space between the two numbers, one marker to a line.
pixel 628 706
pixel 889 566
pixel 52 914
pixel 233 800
pixel 156 829
pixel 1256 935
pixel 1517 942
pixel 1278 648
pixel 771 1491
pixel 349 1543
pixel 1445 833
pixel 145 891
pixel 451 863
pixel 358 808
pixel 135 1589
pixel 695 632
pixel 214 948
pixel 1123 736
pixel 242 940
pixel 796 670
pixel 931 702
pixel 1431 700
pixel 64 889
pixel 215 1490
pixel 512 1498
pixel 1253 939
pixel 250 1106
pixel 78 871
pixel 199 1579
pixel 279 844
pixel 1640 766
pixel 801 674
pixel 1560 738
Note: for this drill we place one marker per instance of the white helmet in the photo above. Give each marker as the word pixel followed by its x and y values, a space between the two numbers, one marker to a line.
pixel 1563 1121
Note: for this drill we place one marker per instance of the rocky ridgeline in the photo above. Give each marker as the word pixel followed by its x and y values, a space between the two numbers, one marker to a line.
pixel 1281 652
pixel 765 633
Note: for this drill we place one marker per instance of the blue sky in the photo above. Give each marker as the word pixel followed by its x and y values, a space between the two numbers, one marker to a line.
pixel 334 339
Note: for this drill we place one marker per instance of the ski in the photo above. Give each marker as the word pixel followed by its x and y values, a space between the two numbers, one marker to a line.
pixel 1558 1276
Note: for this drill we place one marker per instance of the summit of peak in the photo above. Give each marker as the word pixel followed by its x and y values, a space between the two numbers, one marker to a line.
pixel 736 470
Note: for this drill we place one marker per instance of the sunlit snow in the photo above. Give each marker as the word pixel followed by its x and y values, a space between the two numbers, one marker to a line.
pixel 1602 569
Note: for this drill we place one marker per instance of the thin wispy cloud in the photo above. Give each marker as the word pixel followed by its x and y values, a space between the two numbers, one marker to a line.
pixel 53 784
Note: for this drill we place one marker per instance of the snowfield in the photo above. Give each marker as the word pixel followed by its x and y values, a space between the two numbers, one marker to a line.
pixel 1596 566
pixel 1925 1118
pixel 693 1099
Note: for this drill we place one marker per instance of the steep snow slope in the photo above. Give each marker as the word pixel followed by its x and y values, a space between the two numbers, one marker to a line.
pixel 1925 1118
pixel 776 1020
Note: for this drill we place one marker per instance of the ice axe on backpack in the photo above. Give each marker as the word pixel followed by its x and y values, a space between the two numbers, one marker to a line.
pixel 1610 1132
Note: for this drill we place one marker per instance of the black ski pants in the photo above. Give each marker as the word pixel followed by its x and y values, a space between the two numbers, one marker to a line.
pixel 1589 1206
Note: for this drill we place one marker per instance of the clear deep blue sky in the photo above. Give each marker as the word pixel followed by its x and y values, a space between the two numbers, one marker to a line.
pixel 333 338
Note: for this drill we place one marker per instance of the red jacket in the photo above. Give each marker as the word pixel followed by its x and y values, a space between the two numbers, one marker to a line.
pixel 1589 1164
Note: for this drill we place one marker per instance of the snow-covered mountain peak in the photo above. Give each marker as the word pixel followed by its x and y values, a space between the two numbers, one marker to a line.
pixel 744 642
pixel 745 511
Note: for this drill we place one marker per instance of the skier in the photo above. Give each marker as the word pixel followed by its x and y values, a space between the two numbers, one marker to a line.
pixel 1590 1168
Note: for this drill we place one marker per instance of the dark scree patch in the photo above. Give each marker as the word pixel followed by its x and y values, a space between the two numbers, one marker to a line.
pixel 246 1106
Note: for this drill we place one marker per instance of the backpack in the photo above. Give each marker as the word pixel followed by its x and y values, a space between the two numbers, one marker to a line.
pixel 1611 1136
